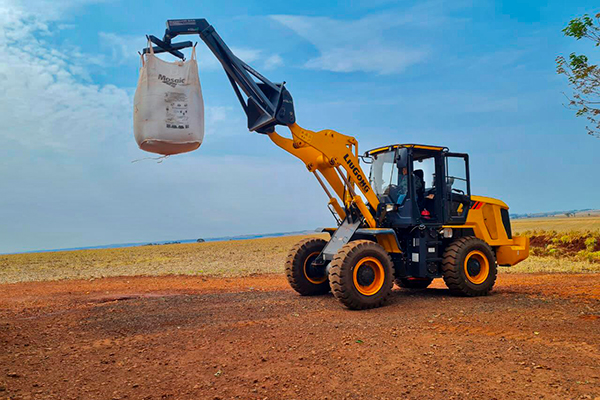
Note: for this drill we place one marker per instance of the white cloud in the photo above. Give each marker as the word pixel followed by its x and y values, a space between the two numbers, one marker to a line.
pixel 124 49
pixel 66 175
pixel 45 97
pixel 64 27
pixel 355 45
pixel 47 10
pixel 254 57
pixel 207 60
pixel 216 114
pixel 273 62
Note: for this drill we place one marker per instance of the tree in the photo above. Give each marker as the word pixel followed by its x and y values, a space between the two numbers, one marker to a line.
pixel 583 76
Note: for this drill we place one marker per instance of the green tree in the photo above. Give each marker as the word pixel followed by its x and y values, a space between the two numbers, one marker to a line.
pixel 583 76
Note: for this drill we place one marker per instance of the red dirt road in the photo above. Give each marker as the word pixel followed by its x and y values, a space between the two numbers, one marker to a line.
pixel 537 336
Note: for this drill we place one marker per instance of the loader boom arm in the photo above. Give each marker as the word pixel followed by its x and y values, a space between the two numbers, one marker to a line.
pixel 329 155
pixel 333 156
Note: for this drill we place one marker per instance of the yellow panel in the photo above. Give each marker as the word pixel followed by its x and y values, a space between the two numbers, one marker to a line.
pixel 511 255
pixel 489 200
pixel 388 242
pixel 486 222
pixel 477 222
pixel 490 220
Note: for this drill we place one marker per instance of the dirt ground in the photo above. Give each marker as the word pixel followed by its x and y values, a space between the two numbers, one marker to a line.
pixel 173 337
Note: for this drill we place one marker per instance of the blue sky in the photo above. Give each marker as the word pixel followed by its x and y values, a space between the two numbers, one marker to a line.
pixel 477 77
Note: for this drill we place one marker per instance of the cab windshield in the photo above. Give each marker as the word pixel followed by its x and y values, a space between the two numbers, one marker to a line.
pixel 388 176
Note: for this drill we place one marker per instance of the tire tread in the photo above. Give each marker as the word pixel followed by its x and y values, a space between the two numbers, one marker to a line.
pixel 451 267
pixel 339 270
pixel 293 264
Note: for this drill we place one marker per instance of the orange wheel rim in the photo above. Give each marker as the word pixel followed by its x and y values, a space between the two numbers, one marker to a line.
pixel 314 280
pixel 476 267
pixel 368 276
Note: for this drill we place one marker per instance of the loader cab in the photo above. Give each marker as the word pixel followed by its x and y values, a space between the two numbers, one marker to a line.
pixel 420 185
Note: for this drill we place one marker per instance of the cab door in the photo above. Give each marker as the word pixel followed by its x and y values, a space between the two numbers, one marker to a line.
pixel 457 188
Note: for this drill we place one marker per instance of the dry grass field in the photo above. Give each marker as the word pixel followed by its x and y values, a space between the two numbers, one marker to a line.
pixel 226 259
pixel 559 224
pixel 247 257
pixel 560 244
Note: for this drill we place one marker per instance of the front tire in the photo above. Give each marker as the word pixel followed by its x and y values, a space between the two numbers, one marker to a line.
pixel 361 275
pixel 302 276
pixel 469 267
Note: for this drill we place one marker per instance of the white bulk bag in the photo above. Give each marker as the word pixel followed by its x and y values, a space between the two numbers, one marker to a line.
pixel 168 109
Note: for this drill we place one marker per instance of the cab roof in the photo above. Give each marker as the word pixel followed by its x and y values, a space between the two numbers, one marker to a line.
pixel 413 146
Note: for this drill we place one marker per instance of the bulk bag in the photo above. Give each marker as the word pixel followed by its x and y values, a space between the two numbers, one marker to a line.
pixel 168 109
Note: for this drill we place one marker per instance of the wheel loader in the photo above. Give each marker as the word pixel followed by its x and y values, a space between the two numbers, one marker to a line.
pixel 412 219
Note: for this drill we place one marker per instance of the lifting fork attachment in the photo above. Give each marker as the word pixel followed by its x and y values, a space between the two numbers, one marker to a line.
pixel 327 154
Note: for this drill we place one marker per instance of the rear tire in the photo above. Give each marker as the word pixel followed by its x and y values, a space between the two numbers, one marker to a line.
pixel 302 277
pixel 469 267
pixel 361 275
pixel 414 283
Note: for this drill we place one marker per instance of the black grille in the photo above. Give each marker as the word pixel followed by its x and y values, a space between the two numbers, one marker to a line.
pixel 506 222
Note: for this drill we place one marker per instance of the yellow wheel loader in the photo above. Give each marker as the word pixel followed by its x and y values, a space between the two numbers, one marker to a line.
pixel 412 219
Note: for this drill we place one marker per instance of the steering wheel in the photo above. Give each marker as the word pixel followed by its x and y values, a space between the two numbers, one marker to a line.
pixel 459 191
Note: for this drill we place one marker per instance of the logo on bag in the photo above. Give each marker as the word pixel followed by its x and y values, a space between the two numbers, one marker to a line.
pixel 171 81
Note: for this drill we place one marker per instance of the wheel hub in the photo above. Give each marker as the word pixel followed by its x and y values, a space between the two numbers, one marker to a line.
pixel 368 276
pixel 314 274
pixel 365 275
pixel 476 267
pixel 473 267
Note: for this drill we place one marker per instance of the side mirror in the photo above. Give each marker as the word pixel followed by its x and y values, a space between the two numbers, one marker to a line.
pixel 400 161
pixel 402 158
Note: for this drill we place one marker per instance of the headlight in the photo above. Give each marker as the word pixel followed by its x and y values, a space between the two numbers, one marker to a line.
pixel 389 207
pixel 446 233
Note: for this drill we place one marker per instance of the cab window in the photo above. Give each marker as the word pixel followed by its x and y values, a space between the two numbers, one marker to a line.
pixel 388 176
pixel 456 175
